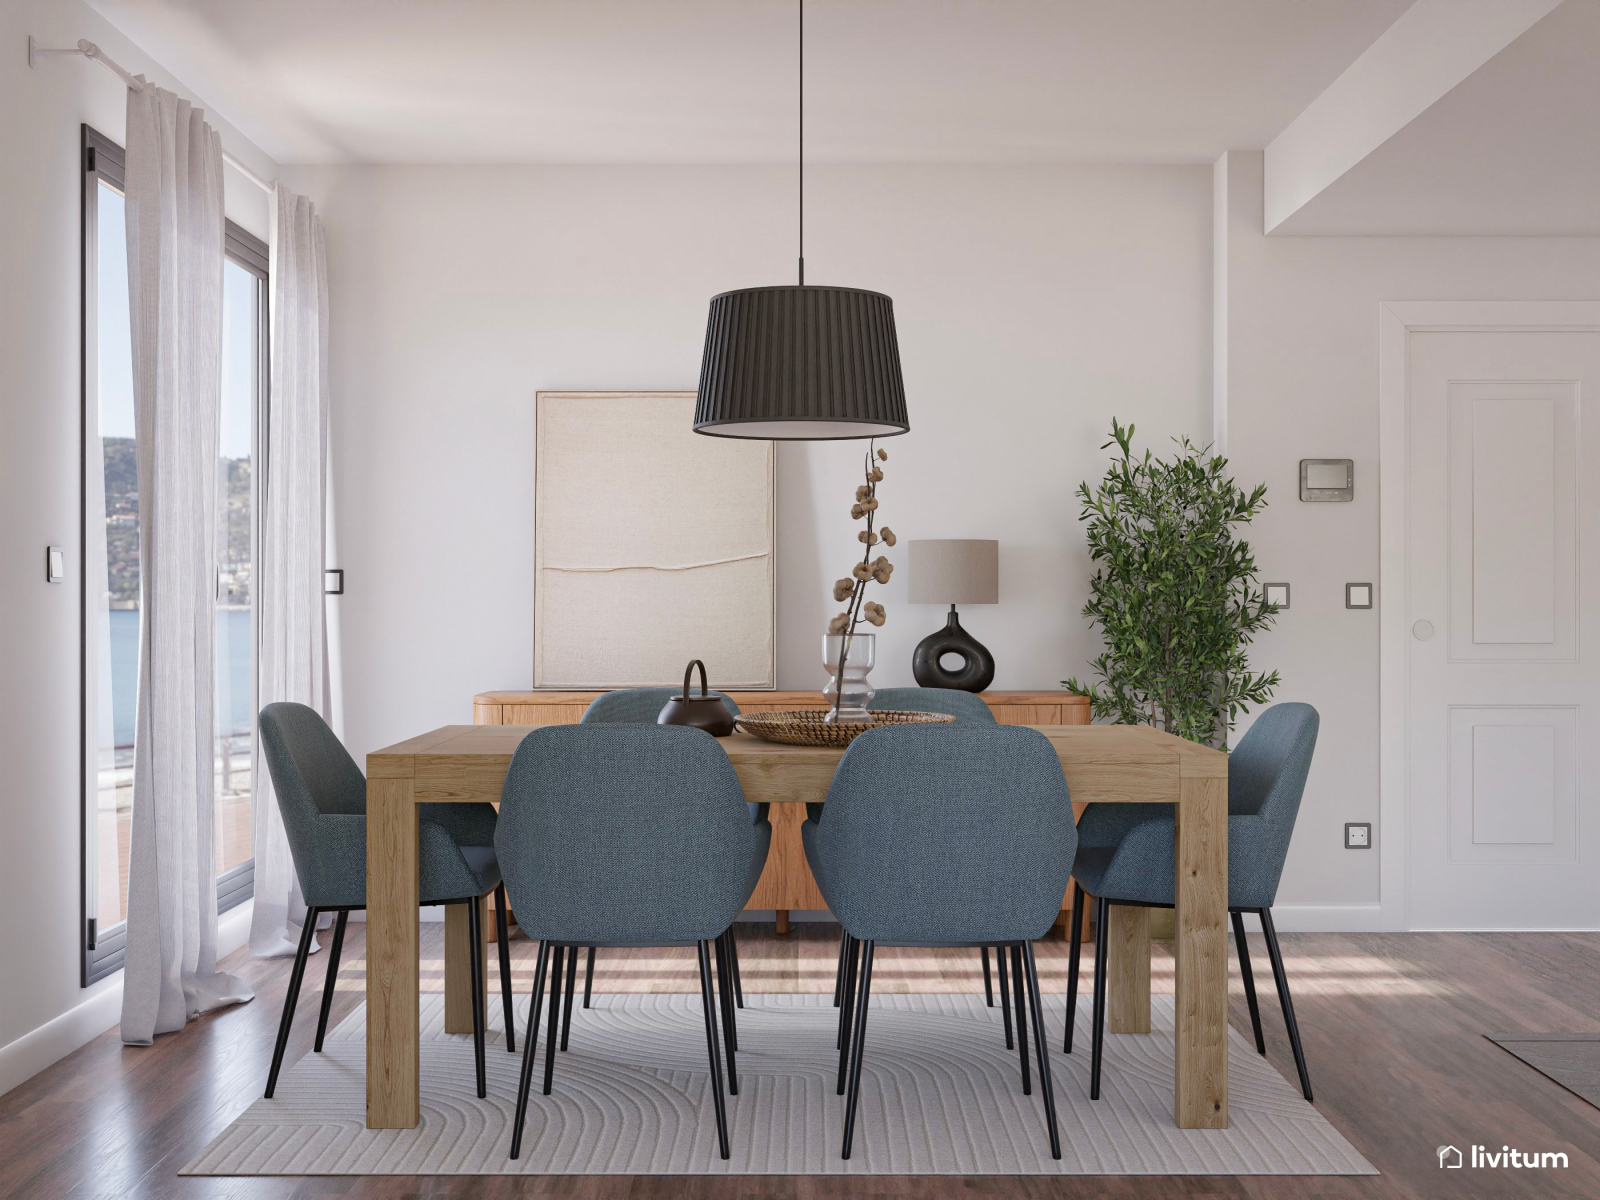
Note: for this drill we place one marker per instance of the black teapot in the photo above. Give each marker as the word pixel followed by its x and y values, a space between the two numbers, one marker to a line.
pixel 705 711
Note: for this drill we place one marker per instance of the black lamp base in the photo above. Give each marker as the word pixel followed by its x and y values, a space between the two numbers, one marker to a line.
pixel 977 664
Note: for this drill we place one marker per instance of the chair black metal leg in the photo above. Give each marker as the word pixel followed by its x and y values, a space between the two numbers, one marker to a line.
pixel 480 1008
pixel 988 980
pixel 1005 990
pixel 529 1050
pixel 1098 1035
pixel 730 1037
pixel 588 977
pixel 554 1031
pixel 1074 956
pixel 1282 980
pixel 847 1012
pixel 1047 1087
pixel 707 1003
pixel 1249 980
pixel 838 975
pixel 332 977
pixel 1018 985
pixel 503 940
pixel 863 1002
pixel 733 957
pixel 725 988
pixel 307 932
pixel 572 987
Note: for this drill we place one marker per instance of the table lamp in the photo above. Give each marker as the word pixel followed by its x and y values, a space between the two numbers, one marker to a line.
pixel 953 571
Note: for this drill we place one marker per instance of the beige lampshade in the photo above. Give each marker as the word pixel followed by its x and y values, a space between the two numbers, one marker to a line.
pixel 954 571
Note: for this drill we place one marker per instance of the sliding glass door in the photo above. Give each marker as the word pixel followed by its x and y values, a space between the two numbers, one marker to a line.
pixel 244 389
pixel 111 533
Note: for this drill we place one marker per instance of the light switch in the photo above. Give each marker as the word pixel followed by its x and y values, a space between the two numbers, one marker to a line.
pixel 1278 594
pixel 55 564
pixel 1358 595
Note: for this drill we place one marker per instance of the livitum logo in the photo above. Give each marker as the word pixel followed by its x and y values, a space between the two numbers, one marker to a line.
pixel 1451 1158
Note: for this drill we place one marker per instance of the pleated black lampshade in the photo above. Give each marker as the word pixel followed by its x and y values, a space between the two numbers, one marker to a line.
pixel 815 363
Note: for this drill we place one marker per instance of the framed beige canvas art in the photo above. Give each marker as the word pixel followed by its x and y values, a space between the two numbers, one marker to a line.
pixel 653 545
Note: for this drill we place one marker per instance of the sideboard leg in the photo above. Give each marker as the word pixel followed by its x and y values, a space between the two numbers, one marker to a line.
pixel 782 920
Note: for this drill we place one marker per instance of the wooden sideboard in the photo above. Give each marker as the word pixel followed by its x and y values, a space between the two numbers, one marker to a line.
pixel 786 884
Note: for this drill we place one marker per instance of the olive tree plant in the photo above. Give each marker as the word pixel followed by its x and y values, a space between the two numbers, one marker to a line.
pixel 1174 592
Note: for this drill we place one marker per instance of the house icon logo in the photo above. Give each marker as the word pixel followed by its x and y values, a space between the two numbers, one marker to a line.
pixel 1449 1156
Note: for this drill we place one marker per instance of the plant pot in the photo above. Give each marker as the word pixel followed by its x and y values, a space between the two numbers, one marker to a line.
pixel 854 693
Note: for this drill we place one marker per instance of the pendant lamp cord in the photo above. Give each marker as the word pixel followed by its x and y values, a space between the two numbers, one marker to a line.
pixel 801 172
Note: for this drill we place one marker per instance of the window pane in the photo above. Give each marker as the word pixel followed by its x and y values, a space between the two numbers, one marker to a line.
pixel 113 565
pixel 235 561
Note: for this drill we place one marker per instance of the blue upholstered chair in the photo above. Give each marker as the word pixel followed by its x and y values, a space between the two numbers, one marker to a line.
pixel 1126 854
pixel 627 835
pixel 323 798
pixel 963 706
pixel 944 835
pixel 637 706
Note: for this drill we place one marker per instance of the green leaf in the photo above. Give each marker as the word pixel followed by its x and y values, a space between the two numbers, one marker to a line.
pixel 1174 591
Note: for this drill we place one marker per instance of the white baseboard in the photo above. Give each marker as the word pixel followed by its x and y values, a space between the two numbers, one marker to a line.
pixel 39 1048
pixel 1323 918
pixel 35 1050
pixel 233 928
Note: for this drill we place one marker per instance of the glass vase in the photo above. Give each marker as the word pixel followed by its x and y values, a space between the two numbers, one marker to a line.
pixel 853 691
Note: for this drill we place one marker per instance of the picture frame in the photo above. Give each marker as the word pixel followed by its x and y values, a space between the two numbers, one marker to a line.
pixel 665 538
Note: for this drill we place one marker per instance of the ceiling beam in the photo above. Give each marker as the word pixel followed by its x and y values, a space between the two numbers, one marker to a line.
pixel 1432 47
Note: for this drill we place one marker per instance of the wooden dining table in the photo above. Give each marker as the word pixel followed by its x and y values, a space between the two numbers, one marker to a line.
pixel 464 764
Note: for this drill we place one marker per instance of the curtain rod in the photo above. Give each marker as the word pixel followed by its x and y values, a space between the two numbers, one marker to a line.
pixel 89 50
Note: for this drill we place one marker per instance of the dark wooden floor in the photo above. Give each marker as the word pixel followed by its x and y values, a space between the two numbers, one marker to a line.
pixel 1393 1027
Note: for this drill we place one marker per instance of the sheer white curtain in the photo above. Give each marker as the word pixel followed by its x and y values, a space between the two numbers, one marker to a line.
pixel 290 606
pixel 175 256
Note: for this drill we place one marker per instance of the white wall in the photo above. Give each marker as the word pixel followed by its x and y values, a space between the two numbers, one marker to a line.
pixel 1032 303
pixel 1301 322
pixel 40 453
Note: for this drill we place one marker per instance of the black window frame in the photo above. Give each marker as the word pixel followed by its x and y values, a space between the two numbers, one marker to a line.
pixel 104 160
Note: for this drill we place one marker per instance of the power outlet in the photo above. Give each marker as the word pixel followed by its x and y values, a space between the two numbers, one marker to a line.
pixel 1358 835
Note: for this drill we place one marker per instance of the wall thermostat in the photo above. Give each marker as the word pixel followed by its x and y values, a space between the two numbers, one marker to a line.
pixel 1327 480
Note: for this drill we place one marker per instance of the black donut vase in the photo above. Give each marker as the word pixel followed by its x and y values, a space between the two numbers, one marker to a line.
pixel 977 664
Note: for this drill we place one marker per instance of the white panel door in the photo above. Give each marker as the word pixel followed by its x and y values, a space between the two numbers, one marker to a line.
pixel 1503 812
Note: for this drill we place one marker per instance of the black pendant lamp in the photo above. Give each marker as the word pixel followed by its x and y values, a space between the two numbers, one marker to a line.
pixel 801 363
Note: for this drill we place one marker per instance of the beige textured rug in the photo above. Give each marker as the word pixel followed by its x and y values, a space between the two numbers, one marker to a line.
pixel 940 1095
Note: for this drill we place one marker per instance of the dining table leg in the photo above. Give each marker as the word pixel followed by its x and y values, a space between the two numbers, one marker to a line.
pixel 393 994
pixel 458 965
pixel 1128 969
pixel 1200 947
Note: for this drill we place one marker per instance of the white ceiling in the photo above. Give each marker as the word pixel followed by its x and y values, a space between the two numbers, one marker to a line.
pixel 1513 148
pixel 609 81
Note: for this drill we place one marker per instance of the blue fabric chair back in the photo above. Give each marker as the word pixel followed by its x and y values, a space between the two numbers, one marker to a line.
pixel 322 797
pixel 638 705
pixel 963 706
pixel 947 834
pixel 1126 850
pixel 624 834
pixel 319 776
pixel 1267 773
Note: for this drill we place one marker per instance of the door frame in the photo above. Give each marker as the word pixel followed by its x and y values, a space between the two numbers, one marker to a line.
pixel 1397 320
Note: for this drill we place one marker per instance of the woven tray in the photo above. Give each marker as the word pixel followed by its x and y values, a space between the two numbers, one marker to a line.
pixel 803 727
